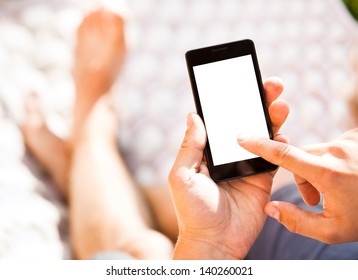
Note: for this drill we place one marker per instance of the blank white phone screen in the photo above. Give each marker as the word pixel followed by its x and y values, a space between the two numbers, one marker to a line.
pixel 231 104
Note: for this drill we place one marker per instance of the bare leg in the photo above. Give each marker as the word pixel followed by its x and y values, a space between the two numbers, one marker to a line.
pixel 160 201
pixel 107 211
pixel 99 179
pixel 98 56
pixel 52 153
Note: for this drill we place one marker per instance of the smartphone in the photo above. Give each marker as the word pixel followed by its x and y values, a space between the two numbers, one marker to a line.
pixel 229 97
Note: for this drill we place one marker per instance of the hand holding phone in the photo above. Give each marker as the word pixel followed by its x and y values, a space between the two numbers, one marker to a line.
pixel 229 97
pixel 219 221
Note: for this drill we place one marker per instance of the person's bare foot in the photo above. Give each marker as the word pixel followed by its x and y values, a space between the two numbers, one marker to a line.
pixel 99 55
pixel 51 152
pixel 99 52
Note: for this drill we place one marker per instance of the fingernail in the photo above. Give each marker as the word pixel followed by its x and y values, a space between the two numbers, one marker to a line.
pixel 189 121
pixel 242 136
pixel 273 212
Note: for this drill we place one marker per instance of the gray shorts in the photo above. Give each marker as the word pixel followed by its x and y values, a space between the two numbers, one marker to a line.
pixel 277 243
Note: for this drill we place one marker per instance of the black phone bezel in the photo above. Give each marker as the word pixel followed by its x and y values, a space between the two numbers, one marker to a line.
pixel 215 53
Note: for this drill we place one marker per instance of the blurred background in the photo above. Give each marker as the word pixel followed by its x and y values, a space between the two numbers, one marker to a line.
pixel 310 44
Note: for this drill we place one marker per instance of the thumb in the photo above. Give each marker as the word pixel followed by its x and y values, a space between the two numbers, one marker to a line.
pixel 191 152
pixel 297 220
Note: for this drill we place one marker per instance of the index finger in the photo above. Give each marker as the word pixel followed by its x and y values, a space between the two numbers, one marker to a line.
pixel 299 162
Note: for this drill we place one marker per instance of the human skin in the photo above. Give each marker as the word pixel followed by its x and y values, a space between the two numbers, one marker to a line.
pixel 327 169
pixel 219 221
pixel 108 211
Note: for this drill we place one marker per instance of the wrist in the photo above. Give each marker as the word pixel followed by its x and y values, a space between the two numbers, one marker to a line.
pixel 189 248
